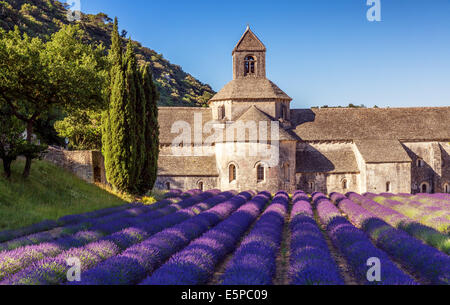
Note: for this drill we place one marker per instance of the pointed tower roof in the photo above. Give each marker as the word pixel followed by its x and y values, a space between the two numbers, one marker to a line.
pixel 249 42
pixel 250 88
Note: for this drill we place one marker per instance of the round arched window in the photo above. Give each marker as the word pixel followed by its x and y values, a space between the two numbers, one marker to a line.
pixel 260 173
pixel 249 63
pixel 447 188
pixel 200 185
pixel 232 172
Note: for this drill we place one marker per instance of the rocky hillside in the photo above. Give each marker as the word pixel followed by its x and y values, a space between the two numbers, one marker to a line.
pixel 44 17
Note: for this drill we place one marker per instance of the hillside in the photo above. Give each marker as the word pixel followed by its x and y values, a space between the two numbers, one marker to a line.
pixel 49 193
pixel 44 17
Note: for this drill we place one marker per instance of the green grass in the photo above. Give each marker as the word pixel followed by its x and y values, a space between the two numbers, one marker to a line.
pixel 49 193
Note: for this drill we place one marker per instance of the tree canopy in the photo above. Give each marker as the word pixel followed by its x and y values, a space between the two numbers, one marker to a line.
pixel 37 76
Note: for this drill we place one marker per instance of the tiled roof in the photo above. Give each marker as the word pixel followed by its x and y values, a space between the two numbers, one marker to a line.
pixel 250 88
pixel 334 124
pixel 327 161
pixel 382 151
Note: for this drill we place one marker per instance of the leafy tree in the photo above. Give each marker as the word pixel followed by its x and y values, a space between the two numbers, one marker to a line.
pixel 83 129
pixel 12 142
pixel 38 76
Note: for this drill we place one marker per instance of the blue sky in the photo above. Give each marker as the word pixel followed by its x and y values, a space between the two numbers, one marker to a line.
pixel 320 52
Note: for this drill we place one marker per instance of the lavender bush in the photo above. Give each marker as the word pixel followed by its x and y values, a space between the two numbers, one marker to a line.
pixel 310 259
pixel 356 246
pixel 141 259
pixel 428 235
pixel 428 262
pixel 254 262
pixel 196 263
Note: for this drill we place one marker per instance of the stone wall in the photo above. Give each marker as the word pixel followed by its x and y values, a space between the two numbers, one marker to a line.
pixel 445 152
pixel 328 183
pixel 433 170
pixel 87 165
pixel 185 183
pixel 398 175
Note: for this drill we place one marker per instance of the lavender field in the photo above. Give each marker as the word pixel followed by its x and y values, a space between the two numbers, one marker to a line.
pixel 226 238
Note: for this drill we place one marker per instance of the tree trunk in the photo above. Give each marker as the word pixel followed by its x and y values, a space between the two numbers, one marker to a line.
pixel 7 167
pixel 27 169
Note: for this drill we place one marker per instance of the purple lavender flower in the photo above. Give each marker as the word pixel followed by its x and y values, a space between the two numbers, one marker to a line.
pixel 254 262
pixel 196 263
pixel 354 244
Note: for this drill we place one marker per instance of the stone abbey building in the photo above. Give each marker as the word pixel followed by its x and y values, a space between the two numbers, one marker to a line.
pixel 398 150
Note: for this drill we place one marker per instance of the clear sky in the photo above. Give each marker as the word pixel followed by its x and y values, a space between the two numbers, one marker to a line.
pixel 320 52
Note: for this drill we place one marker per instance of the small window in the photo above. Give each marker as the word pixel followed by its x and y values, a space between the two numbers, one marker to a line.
pixel 311 186
pixel 388 187
pixel 287 174
pixel 221 112
pixel 249 65
pixel 424 188
pixel 200 186
pixel 447 188
pixel 345 184
pixel 232 172
pixel 260 173
pixel 168 186
pixel 420 163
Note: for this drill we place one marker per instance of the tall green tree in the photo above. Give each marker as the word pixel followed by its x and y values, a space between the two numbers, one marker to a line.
pixel 151 132
pixel 37 76
pixel 114 136
pixel 129 126
pixel 140 123
pixel 130 117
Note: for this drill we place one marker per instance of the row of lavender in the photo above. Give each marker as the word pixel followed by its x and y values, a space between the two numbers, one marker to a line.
pixel 119 232
pixel 427 263
pixel 184 243
pixel 71 224
pixel 418 230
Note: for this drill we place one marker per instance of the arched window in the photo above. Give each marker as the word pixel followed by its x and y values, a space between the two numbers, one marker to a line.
pixel 345 184
pixel 200 186
pixel 424 188
pixel 260 173
pixel 232 172
pixel 249 65
pixel 447 188
pixel 221 112
pixel 286 172
pixel 420 162
pixel 168 186
pixel 388 187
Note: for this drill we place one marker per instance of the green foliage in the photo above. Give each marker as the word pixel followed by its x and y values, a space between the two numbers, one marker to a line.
pixel 151 133
pixel 83 129
pixel 130 125
pixel 48 16
pixel 39 76
pixel 49 193
pixel 12 142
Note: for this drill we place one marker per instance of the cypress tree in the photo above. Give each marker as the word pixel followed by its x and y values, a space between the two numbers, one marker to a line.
pixel 129 113
pixel 140 124
pixel 150 166
pixel 118 121
pixel 116 92
pixel 130 135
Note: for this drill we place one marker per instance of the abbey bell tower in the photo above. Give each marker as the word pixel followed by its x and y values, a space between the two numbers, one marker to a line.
pixel 250 86
pixel 249 57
